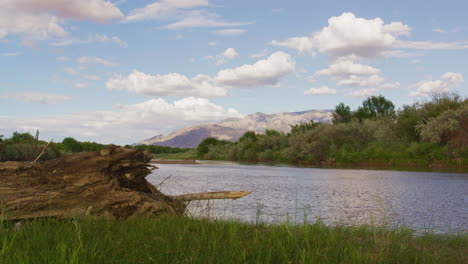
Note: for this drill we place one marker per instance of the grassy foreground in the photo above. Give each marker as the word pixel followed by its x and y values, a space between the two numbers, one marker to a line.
pixel 185 240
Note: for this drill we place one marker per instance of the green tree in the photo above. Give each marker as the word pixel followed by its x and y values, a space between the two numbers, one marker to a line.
pixel 22 138
pixel 375 106
pixel 249 135
pixel 301 128
pixel 72 144
pixel 204 146
pixel 342 114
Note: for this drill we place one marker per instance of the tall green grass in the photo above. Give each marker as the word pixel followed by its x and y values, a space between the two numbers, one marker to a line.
pixel 184 240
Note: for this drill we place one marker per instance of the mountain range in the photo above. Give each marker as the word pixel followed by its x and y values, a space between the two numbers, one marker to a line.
pixel 232 129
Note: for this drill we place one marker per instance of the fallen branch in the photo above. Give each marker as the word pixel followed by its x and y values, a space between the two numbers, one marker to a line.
pixel 211 195
pixel 44 150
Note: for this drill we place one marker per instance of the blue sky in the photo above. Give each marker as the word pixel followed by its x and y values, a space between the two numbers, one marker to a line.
pixel 121 71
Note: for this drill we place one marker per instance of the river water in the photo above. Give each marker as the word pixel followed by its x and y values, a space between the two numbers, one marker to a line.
pixel 422 201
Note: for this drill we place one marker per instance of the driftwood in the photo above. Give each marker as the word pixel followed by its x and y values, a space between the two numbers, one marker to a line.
pixel 211 195
pixel 107 183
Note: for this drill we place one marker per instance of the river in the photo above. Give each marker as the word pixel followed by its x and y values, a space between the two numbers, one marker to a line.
pixel 422 201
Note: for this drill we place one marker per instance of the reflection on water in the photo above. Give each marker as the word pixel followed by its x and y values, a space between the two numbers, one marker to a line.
pixel 419 200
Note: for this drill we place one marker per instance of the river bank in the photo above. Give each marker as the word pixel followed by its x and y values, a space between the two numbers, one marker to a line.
pixel 184 240
pixel 396 165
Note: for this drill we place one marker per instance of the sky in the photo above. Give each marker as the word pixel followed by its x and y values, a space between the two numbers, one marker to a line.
pixel 125 70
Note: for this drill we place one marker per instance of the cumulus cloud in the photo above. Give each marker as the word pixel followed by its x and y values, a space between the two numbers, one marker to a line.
pixel 260 54
pixel 304 45
pixel 37 97
pixel 94 10
pixel 173 84
pixel 43 19
pixel 228 54
pixel 95 60
pixel 346 72
pixel 346 68
pixel 446 83
pixel 263 72
pixel 230 32
pixel 348 35
pixel 127 124
pixel 320 91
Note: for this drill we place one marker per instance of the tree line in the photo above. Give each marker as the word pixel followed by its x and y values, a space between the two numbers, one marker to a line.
pixel 424 132
pixel 26 147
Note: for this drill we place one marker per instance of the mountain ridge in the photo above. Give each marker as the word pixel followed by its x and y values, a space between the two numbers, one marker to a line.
pixel 233 128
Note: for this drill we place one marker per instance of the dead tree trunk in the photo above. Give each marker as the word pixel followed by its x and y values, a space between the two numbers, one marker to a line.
pixel 109 183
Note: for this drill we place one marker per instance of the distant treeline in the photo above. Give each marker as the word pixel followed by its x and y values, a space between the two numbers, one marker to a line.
pixel 421 133
pixel 158 149
pixel 25 147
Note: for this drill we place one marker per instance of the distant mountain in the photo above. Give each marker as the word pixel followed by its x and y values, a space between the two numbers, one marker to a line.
pixel 232 129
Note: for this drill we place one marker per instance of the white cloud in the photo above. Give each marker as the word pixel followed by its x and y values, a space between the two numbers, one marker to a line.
pixel 230 32
pixel 173 84
pixel 403 54
pixel 185 13
pixel 446 83
pixel 365 92
pixel 43 19
pixel 94 10
pixel 92 38
pixel 304 45
pixel 263 72
pixel 320 91
pixel 96 60
pixel 163 10
pixel 201 18
pixel 10 54
pixel 260 54
pixel 36 26
pixel 228 54
pixel 346 72
pixel 63 58
pixel 37 97
pixel 212 43
pixel 367 38
pixel 348 35
pixel 346 68
pixel 74 72
pixel 128 124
